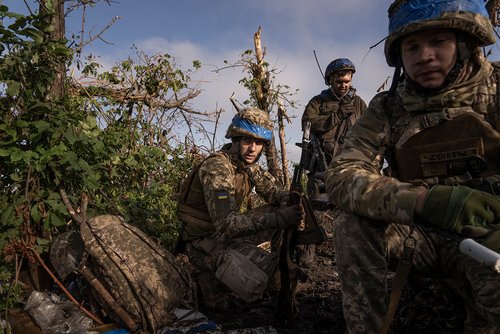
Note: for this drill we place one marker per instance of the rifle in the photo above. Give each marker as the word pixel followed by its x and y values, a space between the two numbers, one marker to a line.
pixel 308 232
pixel 318 164
pixel 315 163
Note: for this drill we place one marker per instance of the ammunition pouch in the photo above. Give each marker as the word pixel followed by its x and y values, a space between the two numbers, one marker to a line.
pixel 440 151
pixel 241 276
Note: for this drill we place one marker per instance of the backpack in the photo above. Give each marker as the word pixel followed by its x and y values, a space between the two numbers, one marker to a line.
pixel 142 277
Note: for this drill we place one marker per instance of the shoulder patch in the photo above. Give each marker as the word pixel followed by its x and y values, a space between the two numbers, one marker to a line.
pixel 223 203
pixel 222 195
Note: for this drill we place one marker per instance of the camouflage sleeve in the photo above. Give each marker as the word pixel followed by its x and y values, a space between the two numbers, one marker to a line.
pixel 217 179
pixel 312 113
pixel 267 186
pixel 354 180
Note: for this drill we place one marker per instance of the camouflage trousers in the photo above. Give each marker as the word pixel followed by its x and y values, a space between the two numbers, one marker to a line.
pixel 364 248
pixel 207 254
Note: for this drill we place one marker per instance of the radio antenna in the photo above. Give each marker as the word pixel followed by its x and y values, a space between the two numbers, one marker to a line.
pixel 319 66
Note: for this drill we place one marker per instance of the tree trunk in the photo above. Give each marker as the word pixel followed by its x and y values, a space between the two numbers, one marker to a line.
pixel 281 131
pixel 56 20
pixel 262 98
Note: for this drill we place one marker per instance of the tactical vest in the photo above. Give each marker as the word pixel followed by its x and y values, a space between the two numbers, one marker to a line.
pixel 192 209
pixel 345 112
pixel 449 146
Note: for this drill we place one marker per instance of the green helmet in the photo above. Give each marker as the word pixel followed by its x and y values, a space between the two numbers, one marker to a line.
pixel 251 122
pixel 409 16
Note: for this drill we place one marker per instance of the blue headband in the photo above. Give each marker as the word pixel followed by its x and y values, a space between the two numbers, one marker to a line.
pixel 257 130
pixel 422 10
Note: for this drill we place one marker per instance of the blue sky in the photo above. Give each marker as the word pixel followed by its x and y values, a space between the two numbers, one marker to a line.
pixel 216 30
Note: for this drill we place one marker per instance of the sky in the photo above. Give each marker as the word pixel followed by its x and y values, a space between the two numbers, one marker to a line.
pixel 216 30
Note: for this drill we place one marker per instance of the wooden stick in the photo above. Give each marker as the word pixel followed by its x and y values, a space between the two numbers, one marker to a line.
pixel 66 292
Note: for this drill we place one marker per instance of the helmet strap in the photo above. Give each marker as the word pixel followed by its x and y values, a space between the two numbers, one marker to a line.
pixel 339 97
pixel 396 78
pixel 463 56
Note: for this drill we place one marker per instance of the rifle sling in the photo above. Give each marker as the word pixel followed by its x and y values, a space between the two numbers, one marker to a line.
pixel 404 266
pixel 288 272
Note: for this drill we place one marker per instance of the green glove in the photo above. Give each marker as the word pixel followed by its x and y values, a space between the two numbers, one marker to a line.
pixel 461 210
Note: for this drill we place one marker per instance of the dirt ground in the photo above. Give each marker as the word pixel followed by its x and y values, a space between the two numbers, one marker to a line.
pixel 426 305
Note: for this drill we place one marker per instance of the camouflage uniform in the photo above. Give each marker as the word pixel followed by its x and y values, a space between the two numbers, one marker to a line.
pixel 379 209
pixel 332 117
pixel 221 223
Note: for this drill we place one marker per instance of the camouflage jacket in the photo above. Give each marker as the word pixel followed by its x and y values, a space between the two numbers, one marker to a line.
pixel 355 181
pixel 219 188
pixel 331 118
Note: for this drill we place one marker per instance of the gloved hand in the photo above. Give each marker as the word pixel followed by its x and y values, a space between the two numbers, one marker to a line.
pixel 461 210
pixel 492 240
pixel 290 216
pixel 282 196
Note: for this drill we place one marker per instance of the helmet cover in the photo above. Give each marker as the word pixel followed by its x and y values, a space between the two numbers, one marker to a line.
pixel 409 16
pixel 251 122
pixel 340 64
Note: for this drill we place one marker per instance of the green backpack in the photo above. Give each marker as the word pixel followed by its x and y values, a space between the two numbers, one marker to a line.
pixel 147 281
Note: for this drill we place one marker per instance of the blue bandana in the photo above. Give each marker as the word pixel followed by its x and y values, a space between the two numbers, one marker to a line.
pixel 257 130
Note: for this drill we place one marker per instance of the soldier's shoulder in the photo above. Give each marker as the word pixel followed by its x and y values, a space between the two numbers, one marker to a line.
pixel 216 159
pixel 319 98
pixel 381 99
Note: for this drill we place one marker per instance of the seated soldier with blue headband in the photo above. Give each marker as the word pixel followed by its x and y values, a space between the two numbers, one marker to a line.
pixel 220 229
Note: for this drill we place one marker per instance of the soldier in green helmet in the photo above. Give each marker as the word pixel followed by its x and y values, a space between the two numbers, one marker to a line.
pixel 220 234
pixel 438 129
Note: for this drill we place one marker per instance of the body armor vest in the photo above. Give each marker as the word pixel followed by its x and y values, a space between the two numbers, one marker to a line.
pixel 192 209
pixel 345 112
pixel 449 146
pixel 465 144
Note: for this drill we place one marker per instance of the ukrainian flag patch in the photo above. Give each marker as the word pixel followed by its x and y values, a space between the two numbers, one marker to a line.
pixel 222 195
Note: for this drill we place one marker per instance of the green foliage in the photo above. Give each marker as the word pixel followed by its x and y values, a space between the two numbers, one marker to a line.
pixel 272 91
pixel 108 141
pixel 11 292
pixel 34 147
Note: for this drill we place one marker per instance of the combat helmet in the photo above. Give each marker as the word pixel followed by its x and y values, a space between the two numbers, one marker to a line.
pixel 251 122
pixel 340 64
pixel 408 16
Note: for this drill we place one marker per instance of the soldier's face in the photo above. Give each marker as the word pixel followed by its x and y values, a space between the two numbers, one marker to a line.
pixel 429 55
pixel 250 149
pixel 341 82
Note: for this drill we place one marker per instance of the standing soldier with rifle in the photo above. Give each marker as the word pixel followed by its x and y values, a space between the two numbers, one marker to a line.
pixel 438 128
pixel 331 114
